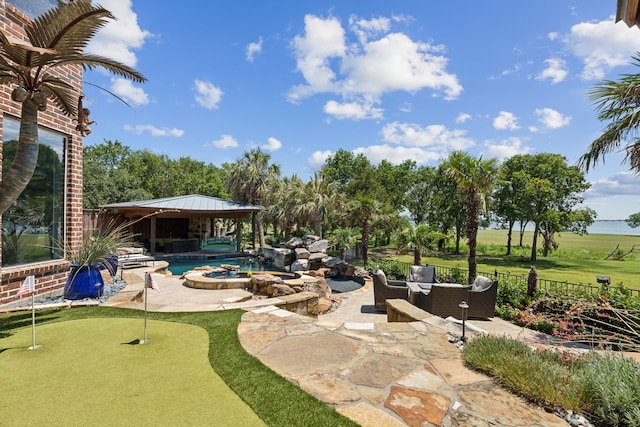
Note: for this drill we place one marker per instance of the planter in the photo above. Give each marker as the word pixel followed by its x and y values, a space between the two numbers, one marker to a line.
pixel 84 281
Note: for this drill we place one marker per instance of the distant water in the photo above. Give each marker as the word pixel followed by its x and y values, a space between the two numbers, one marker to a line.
pixel 616 226
pixel 612 227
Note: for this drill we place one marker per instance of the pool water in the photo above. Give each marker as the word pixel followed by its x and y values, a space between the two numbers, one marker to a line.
pixel 179 266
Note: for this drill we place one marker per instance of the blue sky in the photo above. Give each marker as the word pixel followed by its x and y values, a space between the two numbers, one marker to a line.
pixel 392 80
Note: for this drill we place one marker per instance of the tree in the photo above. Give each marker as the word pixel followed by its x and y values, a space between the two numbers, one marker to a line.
pixel 634 220
pixel 553 190
pixel 616 103
pixel 363 211
pixel 250 180
pixel 319 196
pixel 510 199
pixel 343 239
pixel 56 39
pixel 476 178
pixel 421 239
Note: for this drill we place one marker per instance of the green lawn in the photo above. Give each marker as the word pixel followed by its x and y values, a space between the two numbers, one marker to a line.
pixel 89 372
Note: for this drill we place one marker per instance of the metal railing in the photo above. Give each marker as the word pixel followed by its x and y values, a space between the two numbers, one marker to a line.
pixel 443 273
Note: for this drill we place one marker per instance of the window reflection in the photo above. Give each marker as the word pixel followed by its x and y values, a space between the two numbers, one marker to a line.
pixel 33 225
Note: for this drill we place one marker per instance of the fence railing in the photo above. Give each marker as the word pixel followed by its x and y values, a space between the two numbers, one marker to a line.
pixel 443 273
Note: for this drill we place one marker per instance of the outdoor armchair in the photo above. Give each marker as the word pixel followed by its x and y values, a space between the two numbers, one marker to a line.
pixel 482 298
pixel 384 289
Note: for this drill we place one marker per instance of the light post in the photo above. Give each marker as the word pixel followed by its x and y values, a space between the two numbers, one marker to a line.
pixel 464 306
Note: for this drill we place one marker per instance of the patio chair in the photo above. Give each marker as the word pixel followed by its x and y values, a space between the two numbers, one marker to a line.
pixel 384 289
pixel 422 274
pixel 482 298
pixel 443 299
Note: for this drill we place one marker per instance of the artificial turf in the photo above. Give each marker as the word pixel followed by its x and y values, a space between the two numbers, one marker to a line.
pixel 160 383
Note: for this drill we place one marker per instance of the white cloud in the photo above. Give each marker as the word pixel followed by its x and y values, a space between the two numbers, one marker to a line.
pixel 352 110
pixel 505 149
pixel 366 29
pixel 396 155
pixel 602 45
pixel 623 183
pixel 272 145
pixel 317 159
pixel 208 95
pixel 556 70
pixel 126 90
pixel 224 142
pixel 155 131
pixel 463 117
pixel 552 119
pixel 506 121
pixel 118 39
pixel 253 49
pixel 377 62
pixel 436 137
pixel 323 40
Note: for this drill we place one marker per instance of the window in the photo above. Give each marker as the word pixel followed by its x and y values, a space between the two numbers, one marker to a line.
pixel 33 228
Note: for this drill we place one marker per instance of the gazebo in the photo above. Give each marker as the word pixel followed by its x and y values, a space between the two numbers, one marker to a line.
pixel 181 222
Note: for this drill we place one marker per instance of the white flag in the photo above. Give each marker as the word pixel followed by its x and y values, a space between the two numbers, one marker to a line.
pixel 28 286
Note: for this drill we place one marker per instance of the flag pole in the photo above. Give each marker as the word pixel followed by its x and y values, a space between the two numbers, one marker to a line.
pixel 33 322
pixel 146 290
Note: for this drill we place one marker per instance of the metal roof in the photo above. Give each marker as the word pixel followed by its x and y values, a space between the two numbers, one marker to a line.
pixel 190 203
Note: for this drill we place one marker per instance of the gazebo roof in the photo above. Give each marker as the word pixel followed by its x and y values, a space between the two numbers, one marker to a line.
pixel 193 204
pixel 627 11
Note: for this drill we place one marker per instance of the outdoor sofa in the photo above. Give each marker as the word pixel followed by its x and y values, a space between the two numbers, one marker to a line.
pixel 443 299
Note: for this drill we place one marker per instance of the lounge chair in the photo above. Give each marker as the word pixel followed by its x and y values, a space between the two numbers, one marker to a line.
pixel 384 289
pixel 443 299
pixel 482 298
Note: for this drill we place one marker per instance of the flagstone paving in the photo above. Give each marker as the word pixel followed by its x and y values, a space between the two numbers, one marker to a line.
pixel 383 374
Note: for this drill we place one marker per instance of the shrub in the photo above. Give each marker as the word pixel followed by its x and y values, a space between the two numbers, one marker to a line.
pixel 611 387
pixel 605 388
pixel 394 270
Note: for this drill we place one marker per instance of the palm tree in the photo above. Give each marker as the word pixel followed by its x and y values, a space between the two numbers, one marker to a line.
pixel 619 104
pixel 420 239
pixel 344 239
pixel 57 39
pixel 319 196
pixel 250 180
pixel 476 178
pixel 364 211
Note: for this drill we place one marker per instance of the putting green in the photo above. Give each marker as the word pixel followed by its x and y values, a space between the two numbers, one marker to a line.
pixel 88 372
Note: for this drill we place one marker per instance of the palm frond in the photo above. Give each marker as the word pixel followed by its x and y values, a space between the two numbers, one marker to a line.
pixel 62 94
pixel 68 28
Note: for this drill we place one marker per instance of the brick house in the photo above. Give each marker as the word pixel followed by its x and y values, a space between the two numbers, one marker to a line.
pixel 50 210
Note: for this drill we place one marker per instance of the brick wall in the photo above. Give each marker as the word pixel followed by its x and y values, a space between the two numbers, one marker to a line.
pixel 50 275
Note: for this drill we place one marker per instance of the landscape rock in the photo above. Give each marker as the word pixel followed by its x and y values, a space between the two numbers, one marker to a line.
pixel 299 265
pixel 319 246
pixel 281 289
pixel 319 287
pixel 302 253
pixel 295 242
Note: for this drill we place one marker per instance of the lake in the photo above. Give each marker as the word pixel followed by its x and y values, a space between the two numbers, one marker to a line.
pixel 617 226
pixel 612 227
